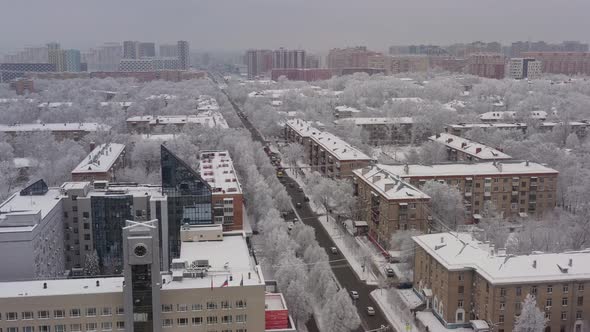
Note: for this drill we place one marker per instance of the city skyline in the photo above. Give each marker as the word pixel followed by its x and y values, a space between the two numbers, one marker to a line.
pixel 387 23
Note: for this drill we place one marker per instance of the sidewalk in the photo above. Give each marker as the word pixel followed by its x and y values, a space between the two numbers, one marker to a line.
pixel 398 318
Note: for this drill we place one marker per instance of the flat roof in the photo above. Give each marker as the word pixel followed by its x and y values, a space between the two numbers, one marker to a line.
pixel 207 103
pixel 118 103
pixel 389 185
pixel 369 121
pixel 330 142
pixel 55 104
pixel 211 119
pixel 101 159
pixel 462 169
pixel 469 147
pixel 274 301
pixel 407 99
pixel 217 168
pixel 30 204
pixel 496 125
pixel 511 115
pixel 347 109
pixel 66 126
pixel 461 251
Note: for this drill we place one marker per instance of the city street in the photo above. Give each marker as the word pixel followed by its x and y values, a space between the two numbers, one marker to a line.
pixel 343 272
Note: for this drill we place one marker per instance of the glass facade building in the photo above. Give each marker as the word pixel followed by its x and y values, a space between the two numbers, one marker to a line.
pixel 188 197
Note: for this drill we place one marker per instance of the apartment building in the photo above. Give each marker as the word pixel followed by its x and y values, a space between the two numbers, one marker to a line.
pixel 343 111
pixel 379 131
pixel 217 168
pixel 395 64
pixel 101 163
pixel 525 68
pixel 325 152
pixel 498 116
pixel 461 128
pixel 213 286
pixel 489 65
pixel 145 124
pixel 462 279
pixel 350 58
pixel 567 63
pixel 462 149
pixel 288 59
pixel 389 204
pixel 517 188
pixel 31 234
pixel 259 62
pixel 60 131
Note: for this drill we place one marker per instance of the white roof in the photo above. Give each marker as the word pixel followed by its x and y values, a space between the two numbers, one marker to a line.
pixel 207 103
pixel 276 103
pixel 55 104
pixel 101 159
pixel 472 148
pixel 82 126
pixel 28 204
pixel 332 143
pixel 161 96
pixel 118 103
pixel 208 118
pixel 407 99
pixel 496 125
pixel 274 301
pixel 159 137
pixel 541 115
pixel 347 109
pixel 460 251
pixel 24 162
pixel 15 289
pixel 390 186
pixel 477 169
pixel 217 168
pixel 369 121
pixel 453 105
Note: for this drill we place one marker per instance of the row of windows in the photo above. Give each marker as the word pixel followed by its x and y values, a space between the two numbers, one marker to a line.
pixel 89 327
pixel 60 313
pixel 209 320
pixel 565 290
pixel 211 305
pixel 563 316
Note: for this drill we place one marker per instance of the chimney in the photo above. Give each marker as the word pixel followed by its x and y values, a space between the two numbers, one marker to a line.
pixel 499 166
pixel 442 239
pixel 376 178
pixel 526 163
pixel 407 169
pixel 388 187
pixel 97 283
pixel 44 285
pixel 535 264
pixel 449 140
pixel 92 145
pixel 463 145
pixel 477 150
pixel 571 262
pixel 231 278
pixel 249 273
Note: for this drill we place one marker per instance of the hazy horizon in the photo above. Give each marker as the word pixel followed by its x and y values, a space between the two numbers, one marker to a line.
pixel 231 25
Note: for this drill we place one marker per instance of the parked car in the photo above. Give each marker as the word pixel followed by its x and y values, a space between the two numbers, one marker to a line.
pixel 370 311
pixel 300 189
pixel 389 272
pixel 404 285
pixel 354 294
pixel 290 225
pixel 298 205
pixel 306 199
pixel 334 250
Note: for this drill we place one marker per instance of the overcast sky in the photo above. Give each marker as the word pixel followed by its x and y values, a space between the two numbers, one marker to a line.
pixel 315 25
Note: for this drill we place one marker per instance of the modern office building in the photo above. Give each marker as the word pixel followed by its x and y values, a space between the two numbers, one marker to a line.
pixel 259 62
pixel 146 50
pixel 183 54
pixel 147 124
pixel 31 54
pixel 462 149
pixel 214 285
pixel 168 51
pixel 101 164
pixel 60 131
pixel 137 65
pixel 31 234
pixel 11 71
pixel 105 58
pixel 462 279
pixel 72 61
pixel 288 59
pixel 489 65
pixel 567 63
pixel 326 153
pixel 380 131
pixel 389 204
pixel 216 167
pixel 516 188
pixel 521 68
pixel 130 49
pixel 56 56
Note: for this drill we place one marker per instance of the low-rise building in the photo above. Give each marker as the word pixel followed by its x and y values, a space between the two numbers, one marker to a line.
pixel 60 131
pixel 342 112
pixel 461 128
pixel 216 167
pixel 390 204
pixel 31 234
pixel 149 123
pixel 499 116
pixel 462 149
pixel 325 152
pixel 462 279
pixel 101 164
pixel 380 131
pixel 515 187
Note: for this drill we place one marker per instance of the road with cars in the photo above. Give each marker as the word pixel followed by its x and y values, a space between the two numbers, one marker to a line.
pixel 303 213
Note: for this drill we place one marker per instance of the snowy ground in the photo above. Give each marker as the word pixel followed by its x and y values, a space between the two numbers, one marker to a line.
pixel 427 318
pixel 397 317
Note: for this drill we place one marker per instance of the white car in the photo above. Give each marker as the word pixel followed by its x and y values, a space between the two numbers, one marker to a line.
pixel 334 250
pixel 354 294
pixel 370 311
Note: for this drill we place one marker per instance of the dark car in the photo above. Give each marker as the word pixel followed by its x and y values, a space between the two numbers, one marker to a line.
pixel 306 199
pixel 298 205
pixel 404 285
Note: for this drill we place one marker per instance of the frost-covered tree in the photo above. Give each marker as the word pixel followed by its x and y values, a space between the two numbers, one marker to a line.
pixel 91 264
pixel 299 301
pixel 339 314
pixel 293 153
pixel 402 242
pixel 447 203
pixel 531 319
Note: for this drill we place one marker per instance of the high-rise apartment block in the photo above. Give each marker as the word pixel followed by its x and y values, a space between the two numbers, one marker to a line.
pixel 56 56
pixel 11 71
pixel 259 62
pixel 168 51
pixel 567 63
pixel 462 279
pixel 349 58
pixel 146 50
pixel 399 63
pixel 72 61
pixel 489 65
pixel 105 58
pixel 183 54
pixel 288 59
pixel 521 68
pixel 130 50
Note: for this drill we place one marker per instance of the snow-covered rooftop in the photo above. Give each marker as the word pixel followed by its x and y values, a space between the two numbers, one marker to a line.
pixel 383 121
pixel 55 104
pixel 416 100
pixel 117 103
pixel 461 251
pixel 208 118
pixel 101 159
pixel 207 103
pixel 496 125
pixel 346 109
pixel 506 168
pixel 217 168
pixel 274 301
pixel 18 204
pixel 469 147
pixel 390 186
pixel 332 143
pixel 161 96
pixel 454 105
pixel 75 126
pixel 539 115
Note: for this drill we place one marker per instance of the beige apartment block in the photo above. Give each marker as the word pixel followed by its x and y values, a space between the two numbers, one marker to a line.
pixel 462 279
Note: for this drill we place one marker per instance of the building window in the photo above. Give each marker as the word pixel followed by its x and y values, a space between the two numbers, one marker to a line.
pixel 182 321
pixel 240 318
pixel 197 320
pixel 534 290
pixel 60 328
pixel 211 305
pixel 12 329
pixel 197 307
pixel 565 289
pixel 518 291
pixel 11 316
pixel 502 305
pixel 182 307
pixel 106 326
pixel 564 301
pixel 501 319
pixel 167 308
pixel 580 300
pixel 59 313
pixel 29 329
pixel 461 289
pixel 167 322
pixel 27 315
pixel 120 311
pixel 564 315
pixel 502 291
pixel 460 304
pixel 581 287
pixel 225 305
pixel 549 289
pixel 548 303
pixel 43 314
pixel 517 306
pixel 90 312
pixel 91 327
pixel 227 319
pixel 211 320
pixel 106 311
pixel 76 327
pixel 578 315
pixel 461 276
pixel 85 214
pixel 120 325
